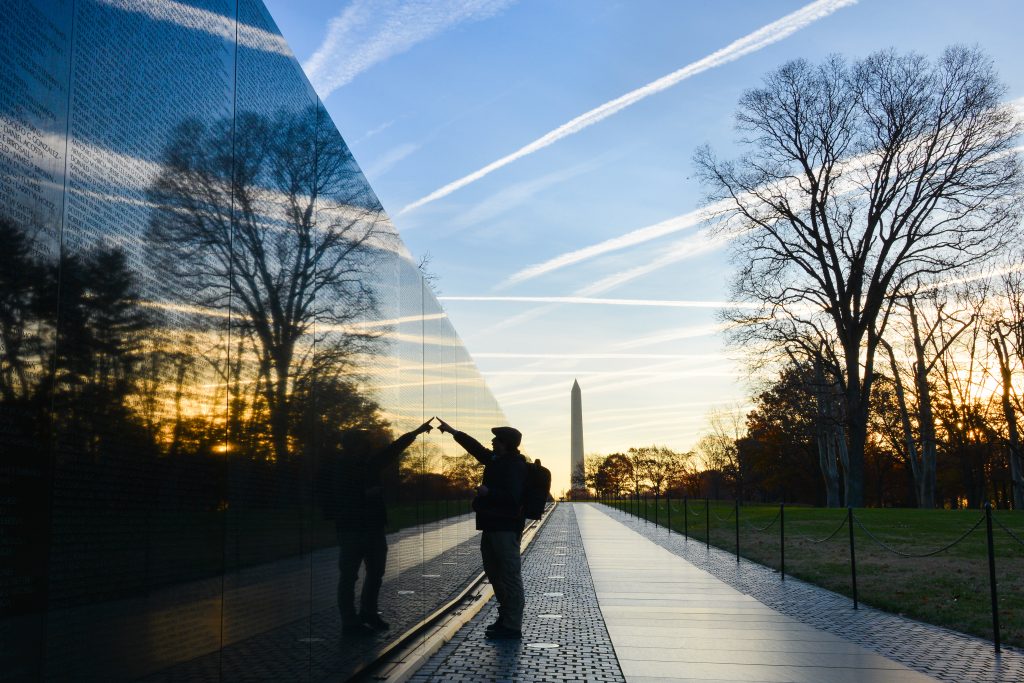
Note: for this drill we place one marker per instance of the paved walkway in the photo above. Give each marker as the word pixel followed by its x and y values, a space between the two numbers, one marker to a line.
pixel 943 654
pixel 610 598
pixel 670 621
pixel 564 637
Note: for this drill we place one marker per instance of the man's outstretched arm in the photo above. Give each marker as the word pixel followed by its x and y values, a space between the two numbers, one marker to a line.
pixel 472 446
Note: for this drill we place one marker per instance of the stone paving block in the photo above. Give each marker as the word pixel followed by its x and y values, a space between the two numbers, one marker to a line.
pixel 584 651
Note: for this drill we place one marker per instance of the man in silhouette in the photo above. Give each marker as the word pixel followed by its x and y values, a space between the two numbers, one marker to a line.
pixel 360 518
pixel 499 516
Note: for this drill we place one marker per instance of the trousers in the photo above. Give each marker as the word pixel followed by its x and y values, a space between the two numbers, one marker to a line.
pixel 355 547
pixel 500 553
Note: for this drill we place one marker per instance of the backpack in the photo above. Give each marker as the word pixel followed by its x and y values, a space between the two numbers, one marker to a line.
pixel 537 490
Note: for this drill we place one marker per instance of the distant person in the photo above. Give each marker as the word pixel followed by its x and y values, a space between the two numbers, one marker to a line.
pixel 355 499
pixel 499 515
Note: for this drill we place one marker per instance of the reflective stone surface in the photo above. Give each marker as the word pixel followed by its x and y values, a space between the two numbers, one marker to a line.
pixel 201 302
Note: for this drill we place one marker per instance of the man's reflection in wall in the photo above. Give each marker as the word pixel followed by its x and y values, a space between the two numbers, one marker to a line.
pixel 356 502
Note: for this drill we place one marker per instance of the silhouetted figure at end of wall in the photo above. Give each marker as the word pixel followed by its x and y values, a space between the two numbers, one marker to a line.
pixel 355 500
pixel 500 518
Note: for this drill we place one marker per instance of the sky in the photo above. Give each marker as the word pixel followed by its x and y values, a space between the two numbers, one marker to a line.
pixel 541 154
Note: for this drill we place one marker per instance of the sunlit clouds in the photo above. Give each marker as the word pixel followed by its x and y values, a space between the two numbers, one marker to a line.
pixel 673 335
pixel 597 301
pixel 369 32
pixel 697 245
pixel 630 239
pixel 196 19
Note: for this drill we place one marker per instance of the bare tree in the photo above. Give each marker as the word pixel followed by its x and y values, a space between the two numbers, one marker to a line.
pixel 860 181
pixel 815 359
pixel 966 409
pixel 926 324
pixel 1004 327
pixel 636 473
pixel 269 219
pixel 658 464
pixel 718 448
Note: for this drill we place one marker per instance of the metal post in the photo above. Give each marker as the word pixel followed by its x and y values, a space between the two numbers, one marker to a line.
pixel 707 524
pixel 782 540
pixel 853 556
pixel 668 510
pixel 992 575
pixel 655 507
pixel 737 531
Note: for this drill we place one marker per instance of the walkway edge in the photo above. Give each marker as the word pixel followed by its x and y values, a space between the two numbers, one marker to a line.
pixel 402 663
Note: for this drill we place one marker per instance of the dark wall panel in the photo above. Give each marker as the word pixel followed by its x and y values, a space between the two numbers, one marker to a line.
pixel 35 52
pixel 134 529
pixel 210 330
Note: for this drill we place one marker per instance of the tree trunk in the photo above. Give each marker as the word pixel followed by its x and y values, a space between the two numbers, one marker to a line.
pixel 909 444
pixel 826 443
pixel 1013 440
pixel 279 410
pixel 925 419
pixel 857 424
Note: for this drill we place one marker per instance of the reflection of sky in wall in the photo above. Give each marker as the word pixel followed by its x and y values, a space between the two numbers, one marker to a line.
pixel 542 153
pixel 115 155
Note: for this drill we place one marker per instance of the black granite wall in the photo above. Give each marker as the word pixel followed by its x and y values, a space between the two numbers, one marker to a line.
pixel 200 296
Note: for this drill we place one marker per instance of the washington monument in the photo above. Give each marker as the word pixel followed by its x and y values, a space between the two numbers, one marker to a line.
pixel 576 456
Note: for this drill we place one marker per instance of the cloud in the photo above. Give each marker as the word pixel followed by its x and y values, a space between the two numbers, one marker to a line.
pixel 681 222
pixel 695 246
pixel 752 42
pixel 615 382
pixel 389 159
pixel 204 21
pixel 632 238
pixel 368 32
pixel 674 334
pixel 374 131
pixel 520 193
pixel 593 301
pixel 601 356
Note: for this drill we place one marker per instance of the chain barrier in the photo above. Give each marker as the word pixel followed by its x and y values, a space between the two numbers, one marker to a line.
pixel 691 511
pixel 928 554
pixel 830 536
pixel 767 526
pixel 1007 530
pixel 724 519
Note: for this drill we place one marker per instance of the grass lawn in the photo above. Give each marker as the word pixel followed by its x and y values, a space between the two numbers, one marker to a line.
pixel 950 589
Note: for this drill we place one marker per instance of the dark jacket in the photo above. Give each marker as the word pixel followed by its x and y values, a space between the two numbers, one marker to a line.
pixel 501 509
pixel 354 496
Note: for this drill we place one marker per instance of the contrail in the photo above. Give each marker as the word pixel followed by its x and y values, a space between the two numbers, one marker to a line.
pixel 631 238
pixel 674 334
pixel 752 42
pixel 368 32
pixel 593 301
pixel 667 227
pixel 682 250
